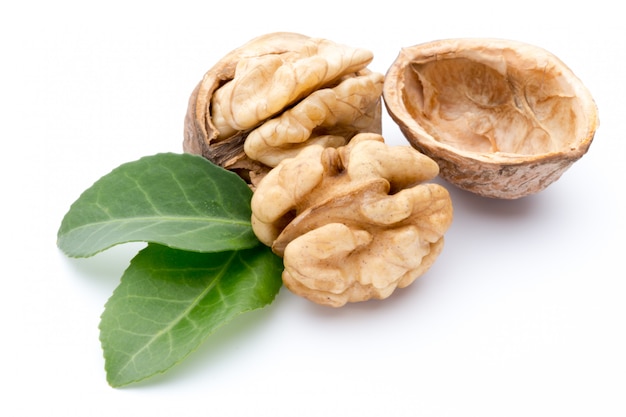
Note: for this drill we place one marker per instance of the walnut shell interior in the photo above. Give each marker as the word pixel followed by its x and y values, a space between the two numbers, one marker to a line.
pixel 502 119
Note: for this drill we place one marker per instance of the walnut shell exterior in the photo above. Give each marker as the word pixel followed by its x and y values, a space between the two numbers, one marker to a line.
pixel 502 119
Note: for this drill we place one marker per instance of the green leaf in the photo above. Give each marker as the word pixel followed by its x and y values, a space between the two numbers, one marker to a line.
pixel 179 200
pixel 169 301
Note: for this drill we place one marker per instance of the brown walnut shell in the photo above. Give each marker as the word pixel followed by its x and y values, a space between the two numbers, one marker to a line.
pixel 502 119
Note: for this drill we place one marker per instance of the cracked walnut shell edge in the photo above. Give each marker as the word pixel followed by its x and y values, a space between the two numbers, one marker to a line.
pixel 503 119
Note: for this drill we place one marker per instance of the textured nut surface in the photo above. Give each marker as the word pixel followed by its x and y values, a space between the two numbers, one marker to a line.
pixel 352 223
pixel 344 110
pixel 502 119
pixel 281 90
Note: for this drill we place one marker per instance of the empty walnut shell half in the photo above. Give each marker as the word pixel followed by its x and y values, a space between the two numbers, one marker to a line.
pixel 503 119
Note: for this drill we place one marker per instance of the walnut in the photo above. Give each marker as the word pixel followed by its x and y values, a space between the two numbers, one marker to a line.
pixel 276 94
pixel 503 119
pixel 354 222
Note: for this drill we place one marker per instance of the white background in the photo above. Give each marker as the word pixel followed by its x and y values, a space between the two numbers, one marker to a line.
pixel 522 314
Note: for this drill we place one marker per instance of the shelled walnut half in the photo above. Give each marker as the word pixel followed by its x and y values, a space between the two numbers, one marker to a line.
pixel 278 93
pixel 352 223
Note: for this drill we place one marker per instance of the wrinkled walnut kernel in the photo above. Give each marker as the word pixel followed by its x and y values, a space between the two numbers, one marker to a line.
pixel 276 94
pixel 354 222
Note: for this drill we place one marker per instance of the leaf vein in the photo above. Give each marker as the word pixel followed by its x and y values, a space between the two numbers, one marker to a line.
pixel 182 316
pixel 142 191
